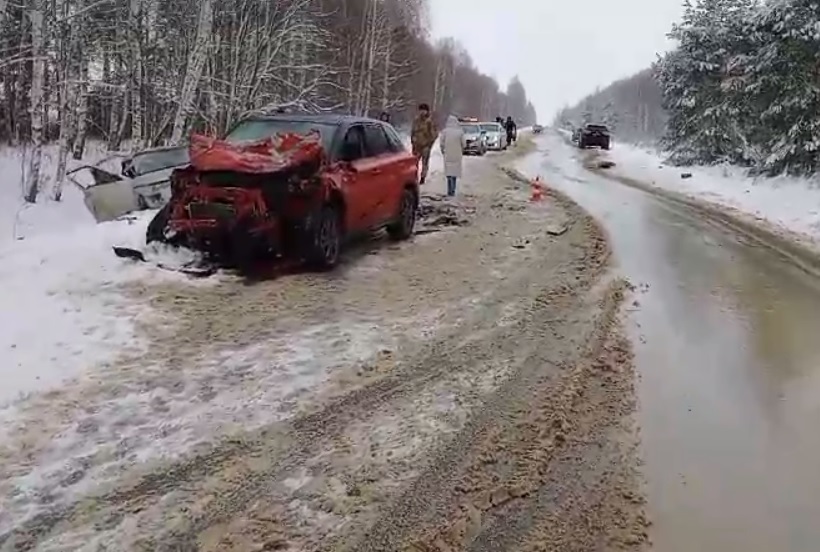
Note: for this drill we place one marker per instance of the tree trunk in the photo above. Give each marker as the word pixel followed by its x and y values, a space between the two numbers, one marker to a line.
pixel 193 74
pixel 22 91
pixel 82 113
pixel 135 44
pixel 386 81
pixel 36 95
pixel 71 60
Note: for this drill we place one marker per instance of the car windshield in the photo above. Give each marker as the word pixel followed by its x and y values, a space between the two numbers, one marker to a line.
pixel 151 161
pixel 491 127
pixel 257 129
pixel 471 129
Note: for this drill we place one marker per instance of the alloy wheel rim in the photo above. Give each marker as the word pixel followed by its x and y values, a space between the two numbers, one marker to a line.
pixel 409 213
pixel 327 238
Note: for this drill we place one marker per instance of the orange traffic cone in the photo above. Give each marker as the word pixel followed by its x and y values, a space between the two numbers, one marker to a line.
pixel 537 190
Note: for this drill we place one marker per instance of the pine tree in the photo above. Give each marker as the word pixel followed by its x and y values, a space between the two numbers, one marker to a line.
pixel 783 85
pixel 705 109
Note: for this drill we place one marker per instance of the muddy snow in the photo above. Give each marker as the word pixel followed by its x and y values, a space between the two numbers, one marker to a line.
pixel 468 388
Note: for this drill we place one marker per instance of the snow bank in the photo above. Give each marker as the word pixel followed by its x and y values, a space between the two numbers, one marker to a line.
pixel 22 220
pixel 61 311
pixel 787 203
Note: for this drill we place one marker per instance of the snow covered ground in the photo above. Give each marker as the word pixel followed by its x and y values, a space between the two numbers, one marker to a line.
pixel 61 312
pixel 786 203
pixel 60 309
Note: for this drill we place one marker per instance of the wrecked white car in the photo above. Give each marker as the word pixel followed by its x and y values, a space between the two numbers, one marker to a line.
pixel 143 182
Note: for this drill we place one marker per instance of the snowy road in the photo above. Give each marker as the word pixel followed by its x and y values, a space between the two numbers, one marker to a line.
pixel 726 331
pixel 468 388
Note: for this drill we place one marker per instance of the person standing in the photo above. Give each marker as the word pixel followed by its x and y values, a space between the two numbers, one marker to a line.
pixel 511 129
pixel 422 138
pixel 451 143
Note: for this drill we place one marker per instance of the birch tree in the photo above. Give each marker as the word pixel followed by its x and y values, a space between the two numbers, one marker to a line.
pixel 70 61
pixel 193 73
pixel 36 99
pixel 135 83
pixel 148 71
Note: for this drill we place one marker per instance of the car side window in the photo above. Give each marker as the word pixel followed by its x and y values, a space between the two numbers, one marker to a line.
pixel 353 144
pixel 375 141
pixel 393 138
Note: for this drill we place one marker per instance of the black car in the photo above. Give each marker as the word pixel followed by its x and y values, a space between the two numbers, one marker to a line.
pixel 594 135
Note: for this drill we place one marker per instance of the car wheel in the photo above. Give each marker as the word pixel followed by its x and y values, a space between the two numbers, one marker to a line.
pixel 403 228
pixel 324 239
pixel 242 254
pixel 156 228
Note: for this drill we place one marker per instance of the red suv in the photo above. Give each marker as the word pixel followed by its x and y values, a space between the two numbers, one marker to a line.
pixel 290 185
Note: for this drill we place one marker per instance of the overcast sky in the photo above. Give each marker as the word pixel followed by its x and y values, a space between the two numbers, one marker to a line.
pixel 561 49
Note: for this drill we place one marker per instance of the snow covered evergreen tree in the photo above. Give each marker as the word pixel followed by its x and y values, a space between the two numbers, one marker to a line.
pixel 706 110
pixel 782 86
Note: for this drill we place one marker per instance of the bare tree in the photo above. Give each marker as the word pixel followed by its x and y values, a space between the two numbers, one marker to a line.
pixel 35 15
pixel 147 71
pixel 135 83
pixel 193 73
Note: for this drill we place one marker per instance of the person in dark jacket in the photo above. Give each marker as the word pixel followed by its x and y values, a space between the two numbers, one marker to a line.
pixel 511 129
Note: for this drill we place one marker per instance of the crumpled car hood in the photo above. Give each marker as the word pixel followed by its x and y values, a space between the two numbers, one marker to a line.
pixel 266 156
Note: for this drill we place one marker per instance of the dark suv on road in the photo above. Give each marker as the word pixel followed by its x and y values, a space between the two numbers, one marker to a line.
pixel 594 135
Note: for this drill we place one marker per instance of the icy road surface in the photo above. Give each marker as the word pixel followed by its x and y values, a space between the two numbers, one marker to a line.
pixel 726 331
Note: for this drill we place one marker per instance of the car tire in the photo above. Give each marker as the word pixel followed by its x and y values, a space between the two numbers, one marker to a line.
pixel 402 229
pixel 324 239
pixel 243 255
pixel 158 225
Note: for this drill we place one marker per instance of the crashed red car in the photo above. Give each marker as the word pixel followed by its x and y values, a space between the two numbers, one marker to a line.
pixel 290 185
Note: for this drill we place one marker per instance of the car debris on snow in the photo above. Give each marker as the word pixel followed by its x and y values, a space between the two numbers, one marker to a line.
pixel 436 212
pixel 557 228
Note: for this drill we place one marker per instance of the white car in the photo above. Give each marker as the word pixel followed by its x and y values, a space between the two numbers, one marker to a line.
pixel 494 135
pixel 143 182
pixel 474 140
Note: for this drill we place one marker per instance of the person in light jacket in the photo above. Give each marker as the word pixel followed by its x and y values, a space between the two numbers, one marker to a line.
pixel 451 142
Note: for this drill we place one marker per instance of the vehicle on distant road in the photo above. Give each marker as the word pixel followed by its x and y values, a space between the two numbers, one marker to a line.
pixel 495 136
pixel 290 185
pixel 537 129
pixel 475 142
pixel 594 135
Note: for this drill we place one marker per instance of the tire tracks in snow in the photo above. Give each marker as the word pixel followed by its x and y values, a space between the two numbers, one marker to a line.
pixel 233 488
